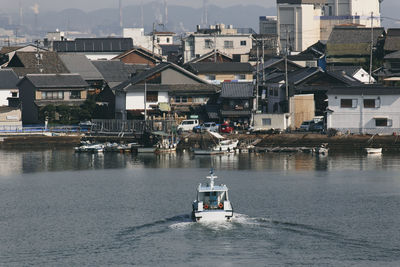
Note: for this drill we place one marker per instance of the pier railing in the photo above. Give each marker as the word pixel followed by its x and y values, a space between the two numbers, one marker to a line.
pixel 119 127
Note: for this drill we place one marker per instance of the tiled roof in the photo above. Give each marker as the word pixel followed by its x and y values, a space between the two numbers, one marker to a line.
pixel 8 79
pixel 79 63
pixel 220 67
pixel 114 70
pixel 94 45
pixel 56 80
pixel 394 55
pixel 179 89
pixel 211 54
pixel 237 90
pixel 28 62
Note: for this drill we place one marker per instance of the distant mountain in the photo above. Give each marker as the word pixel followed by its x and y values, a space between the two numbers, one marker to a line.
pixel 104 22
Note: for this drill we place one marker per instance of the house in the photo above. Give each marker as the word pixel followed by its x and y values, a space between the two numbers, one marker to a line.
pixel 7 52
pixel 389 74
pixel 349 45
pixel 40 90
pixel 8 88
pixel 212 56
pixel 303 81
pixel 95 48
pixel 236 100
pixel 364 110
pixel 357 72
pixel 163 38
pixel 46 62
pixel 140 39
pixel 139 56
pixel 167 83
pixel 217 73
pixel 226 39
pixel 277 64
pixel 78 63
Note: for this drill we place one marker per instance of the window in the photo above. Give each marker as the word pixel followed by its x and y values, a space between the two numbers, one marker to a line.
pixel 266 122
pixel 152 96
pixel 168 40
pixel 14 94
pixel 383 122
pixel 210 77
pixel 228 44
pixel 275 92
pixel 208 43
pixel 243 43
pixel 158 40
pixel 240 77
pixel 369 103
pixel 348 103
pixel 52 95
pixel 75 95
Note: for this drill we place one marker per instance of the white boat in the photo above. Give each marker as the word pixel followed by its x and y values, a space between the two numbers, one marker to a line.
pixel 223 146
pixel 212 203
pixel 151 149
pixel 371 150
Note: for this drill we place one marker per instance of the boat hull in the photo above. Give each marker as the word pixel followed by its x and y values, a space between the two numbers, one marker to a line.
pixel 371 150
pixel 212 216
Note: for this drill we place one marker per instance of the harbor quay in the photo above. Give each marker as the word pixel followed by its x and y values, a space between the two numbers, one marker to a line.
pixel 250 142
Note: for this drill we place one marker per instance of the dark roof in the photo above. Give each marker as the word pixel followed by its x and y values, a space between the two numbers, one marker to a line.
pixel 176 89
pixel 349 70
pixel 79 63
pixel 94 45
pixel 365 90
pixel 237 90
pixel 220 67
pixel 394 55
pixel 56 80
pixel 114 71
pixel 392 40
pixel 27 63
pixel 345 78
pixel 393 32
pixel 210 54
pixel 169 49
pixel 8 79
pixel 159 68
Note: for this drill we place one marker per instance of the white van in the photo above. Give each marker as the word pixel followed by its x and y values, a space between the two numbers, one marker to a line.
pixel 187 125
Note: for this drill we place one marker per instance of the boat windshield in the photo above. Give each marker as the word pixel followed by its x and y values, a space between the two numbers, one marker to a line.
pixel 213 198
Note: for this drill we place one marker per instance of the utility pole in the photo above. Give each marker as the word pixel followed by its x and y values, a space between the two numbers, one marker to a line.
pixel 154 36
pixel 372 45
pixel 215 46
pixel 286 68
pixel 145 100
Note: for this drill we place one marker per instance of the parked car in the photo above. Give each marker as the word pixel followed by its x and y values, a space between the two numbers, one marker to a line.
pixel 207 126
pixel 317 127
pixel 187 125
pixel 226 128
pixel 306 126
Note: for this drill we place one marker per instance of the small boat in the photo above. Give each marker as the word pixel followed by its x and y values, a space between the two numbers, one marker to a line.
pixel 212 203
pixel 372 150
pixel 221 147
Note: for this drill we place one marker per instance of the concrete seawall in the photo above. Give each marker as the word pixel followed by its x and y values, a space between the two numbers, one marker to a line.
pixel 39 141
pixel 345 143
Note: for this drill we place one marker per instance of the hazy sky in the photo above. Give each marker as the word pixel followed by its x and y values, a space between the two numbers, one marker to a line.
pixel 46 5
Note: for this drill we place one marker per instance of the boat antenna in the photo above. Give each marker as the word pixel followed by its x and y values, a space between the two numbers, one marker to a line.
pixel 212 177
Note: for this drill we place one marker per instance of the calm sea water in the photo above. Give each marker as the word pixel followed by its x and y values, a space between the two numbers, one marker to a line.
pixel 59 208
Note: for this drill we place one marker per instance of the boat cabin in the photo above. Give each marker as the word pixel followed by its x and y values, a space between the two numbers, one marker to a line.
pixel 212 197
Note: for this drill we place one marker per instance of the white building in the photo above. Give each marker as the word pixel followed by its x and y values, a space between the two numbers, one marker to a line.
pixel 226 39
pixel 141 39
pixel 307 21
pixel 367 110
